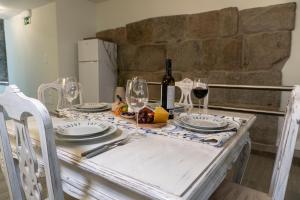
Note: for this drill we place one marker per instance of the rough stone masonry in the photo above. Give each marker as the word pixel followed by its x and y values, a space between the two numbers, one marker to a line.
pixel 228 46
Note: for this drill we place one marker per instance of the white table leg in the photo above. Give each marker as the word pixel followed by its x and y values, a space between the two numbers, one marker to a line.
pixel 242 162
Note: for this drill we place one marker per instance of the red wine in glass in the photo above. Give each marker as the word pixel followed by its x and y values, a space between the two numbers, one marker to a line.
pixel 200 92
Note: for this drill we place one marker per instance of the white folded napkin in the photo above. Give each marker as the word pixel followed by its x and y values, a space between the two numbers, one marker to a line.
pixel 214 139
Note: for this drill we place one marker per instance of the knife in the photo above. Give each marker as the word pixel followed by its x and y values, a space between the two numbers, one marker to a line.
pixel 104 147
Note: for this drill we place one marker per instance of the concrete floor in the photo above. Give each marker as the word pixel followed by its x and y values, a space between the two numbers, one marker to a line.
pixel 259 172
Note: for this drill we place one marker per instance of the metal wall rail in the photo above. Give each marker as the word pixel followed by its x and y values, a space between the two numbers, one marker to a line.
pixel 248 110
pixel 252 87
pixel 248 87
pixel 245 87
pixel 234 109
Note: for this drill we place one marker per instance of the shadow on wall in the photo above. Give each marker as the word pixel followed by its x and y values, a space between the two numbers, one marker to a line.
pixel 3 61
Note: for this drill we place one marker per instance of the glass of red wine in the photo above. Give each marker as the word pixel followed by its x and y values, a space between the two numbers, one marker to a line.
pixel 200 90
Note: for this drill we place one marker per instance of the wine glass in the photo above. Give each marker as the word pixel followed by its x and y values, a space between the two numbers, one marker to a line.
pixel 200 90
pixel 127 94
pixel 71 89
pixel 137 97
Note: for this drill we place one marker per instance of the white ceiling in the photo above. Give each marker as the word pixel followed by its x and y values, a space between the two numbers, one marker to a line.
pixel 9 8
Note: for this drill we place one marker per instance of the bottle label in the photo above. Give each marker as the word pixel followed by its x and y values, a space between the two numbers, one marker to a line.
pixel 170 97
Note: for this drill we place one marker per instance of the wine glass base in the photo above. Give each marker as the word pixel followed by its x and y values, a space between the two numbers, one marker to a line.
pixel 136 134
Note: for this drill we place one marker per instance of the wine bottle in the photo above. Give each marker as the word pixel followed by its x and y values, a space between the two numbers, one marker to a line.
pixel 168 90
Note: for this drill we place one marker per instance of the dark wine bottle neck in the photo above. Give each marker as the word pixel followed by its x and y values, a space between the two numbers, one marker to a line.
pixel 169 67
pixel 169 71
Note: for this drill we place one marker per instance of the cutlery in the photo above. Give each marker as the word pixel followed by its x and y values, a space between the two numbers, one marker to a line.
pixel 104 147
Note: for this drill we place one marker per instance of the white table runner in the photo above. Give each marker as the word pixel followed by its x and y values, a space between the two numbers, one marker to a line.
pixel 171 130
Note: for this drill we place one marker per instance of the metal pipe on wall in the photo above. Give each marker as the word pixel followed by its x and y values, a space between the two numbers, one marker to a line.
pixel 245 87
pixel 250 87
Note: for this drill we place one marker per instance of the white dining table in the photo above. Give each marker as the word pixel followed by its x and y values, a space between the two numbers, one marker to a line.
pixel 153 167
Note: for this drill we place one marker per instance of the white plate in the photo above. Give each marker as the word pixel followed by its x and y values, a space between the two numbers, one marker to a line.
pixel 91 105
pixel 111 130
pixel 232 125
pixel 92 110
pixel 203 121
pixel 82 128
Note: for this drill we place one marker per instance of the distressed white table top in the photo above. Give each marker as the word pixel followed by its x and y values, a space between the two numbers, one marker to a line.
pixel 167 164
pixel 156 166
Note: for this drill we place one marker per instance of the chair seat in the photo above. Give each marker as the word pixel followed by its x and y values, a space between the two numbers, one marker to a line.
pixel 229 191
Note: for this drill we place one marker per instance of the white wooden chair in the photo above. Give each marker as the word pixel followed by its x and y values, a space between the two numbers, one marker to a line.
pixel 186 86
pixel 41 93
pixel 23 178
pixel 56 85
pixel 230 191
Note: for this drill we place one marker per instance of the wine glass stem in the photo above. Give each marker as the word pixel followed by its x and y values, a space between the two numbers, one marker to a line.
pixel 70 104
pixel 137 122
pixel 205 106
pixel 199 106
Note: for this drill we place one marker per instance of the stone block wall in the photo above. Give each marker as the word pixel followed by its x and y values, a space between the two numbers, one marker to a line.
pixel 228 46
pixel 3 62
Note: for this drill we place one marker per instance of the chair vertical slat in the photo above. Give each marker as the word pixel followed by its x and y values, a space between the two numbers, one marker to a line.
pixel 286 147
pixel 7 162
pixel 50 159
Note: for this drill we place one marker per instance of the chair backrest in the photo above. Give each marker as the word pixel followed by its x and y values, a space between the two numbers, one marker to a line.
pixel 23 179
pixel 186 86
pixel 41 93
pixel 61 103
pixel 286 147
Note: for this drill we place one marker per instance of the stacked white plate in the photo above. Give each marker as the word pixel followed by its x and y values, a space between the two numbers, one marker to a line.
pixel 84 130
pixel 92 107
pixel 203 123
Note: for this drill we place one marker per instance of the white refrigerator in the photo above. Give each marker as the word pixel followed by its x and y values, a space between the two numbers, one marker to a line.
pixel 97 70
